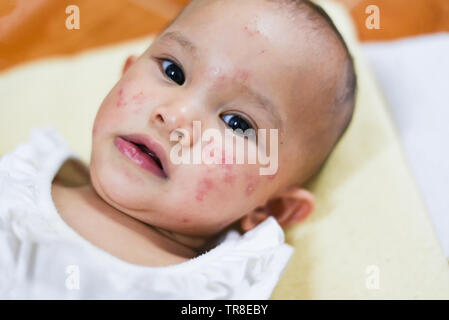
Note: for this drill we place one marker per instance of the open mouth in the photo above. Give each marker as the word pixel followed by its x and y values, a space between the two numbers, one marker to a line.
pixel 150 154
pixel 139 150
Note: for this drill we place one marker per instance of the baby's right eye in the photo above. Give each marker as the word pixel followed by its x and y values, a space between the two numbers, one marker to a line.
pixel 173 71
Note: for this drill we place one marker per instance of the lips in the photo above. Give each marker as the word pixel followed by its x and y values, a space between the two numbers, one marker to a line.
pixel 144 152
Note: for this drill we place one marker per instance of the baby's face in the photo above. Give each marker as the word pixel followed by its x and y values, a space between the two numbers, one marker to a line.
pixel 227 65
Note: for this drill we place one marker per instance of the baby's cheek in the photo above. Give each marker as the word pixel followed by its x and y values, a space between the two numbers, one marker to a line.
pixel 224 182
pixel 130 98
pixel 252 184
pixel 229 176
pixel 121 100
pixel 122 105
pixel 205 186
pixel 205 189
pixel 211 183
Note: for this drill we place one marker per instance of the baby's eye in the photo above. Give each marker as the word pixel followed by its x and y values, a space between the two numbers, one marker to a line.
pixel 236 122
pixel 173 71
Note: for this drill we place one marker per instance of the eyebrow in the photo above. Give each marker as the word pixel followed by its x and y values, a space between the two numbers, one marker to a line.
pixel 182 40
pixel 262 101
pixel 265 103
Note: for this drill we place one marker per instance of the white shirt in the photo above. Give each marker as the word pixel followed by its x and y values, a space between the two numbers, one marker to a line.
pixel 41 257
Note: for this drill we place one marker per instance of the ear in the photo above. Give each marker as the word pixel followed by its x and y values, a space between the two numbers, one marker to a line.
pixel 129 62
pixel 288 208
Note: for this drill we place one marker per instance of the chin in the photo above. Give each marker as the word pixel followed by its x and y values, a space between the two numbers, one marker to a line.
pixel 114 188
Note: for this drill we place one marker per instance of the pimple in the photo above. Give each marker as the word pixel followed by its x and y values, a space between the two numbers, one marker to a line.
pixel 203 188
pixel 253 182
pixel 249 189
pixel 121 99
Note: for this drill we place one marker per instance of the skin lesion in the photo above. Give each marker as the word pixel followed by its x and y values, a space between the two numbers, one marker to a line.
pixel 229 176
pixel 252 184
pixel 121 99
pixel 204 186
pixel 139 98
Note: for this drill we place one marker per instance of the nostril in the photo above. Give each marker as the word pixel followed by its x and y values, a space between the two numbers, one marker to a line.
pixel 179 133
pixel 159 118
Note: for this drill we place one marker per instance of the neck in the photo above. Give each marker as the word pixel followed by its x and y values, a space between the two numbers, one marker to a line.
pixel 174 243
pixel 197 244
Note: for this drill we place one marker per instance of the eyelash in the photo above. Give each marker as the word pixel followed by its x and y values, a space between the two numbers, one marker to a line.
pixel 250 123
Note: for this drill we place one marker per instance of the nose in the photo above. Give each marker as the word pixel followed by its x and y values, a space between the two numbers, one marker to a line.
pixel 176 117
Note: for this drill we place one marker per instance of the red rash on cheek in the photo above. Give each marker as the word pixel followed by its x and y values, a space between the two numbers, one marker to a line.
pixel 121 99
pixel 203 188
pixel 227 159
pixel 229 176
pixel 139 98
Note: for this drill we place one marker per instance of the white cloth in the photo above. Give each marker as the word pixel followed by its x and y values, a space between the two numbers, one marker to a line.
pixel 41 257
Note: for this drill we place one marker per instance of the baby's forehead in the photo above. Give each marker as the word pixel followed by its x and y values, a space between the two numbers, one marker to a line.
pixel 242 25
pixel 233 30
pixel 259 42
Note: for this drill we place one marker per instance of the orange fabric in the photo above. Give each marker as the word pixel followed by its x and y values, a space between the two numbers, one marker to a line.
pixel 402 18
pixel 31 29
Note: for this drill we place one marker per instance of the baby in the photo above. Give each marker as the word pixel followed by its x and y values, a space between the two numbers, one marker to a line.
pixel 236 65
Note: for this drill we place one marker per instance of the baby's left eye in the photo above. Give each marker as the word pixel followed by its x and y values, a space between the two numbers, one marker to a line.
pixel 174 72
pixel 235 122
